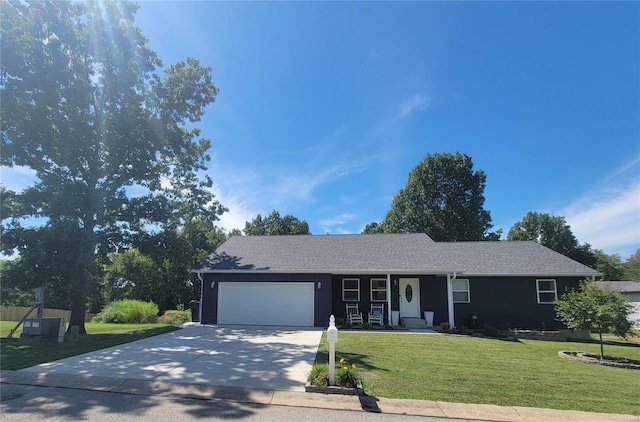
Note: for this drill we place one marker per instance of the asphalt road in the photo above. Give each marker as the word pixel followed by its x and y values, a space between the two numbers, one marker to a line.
pixel 34 403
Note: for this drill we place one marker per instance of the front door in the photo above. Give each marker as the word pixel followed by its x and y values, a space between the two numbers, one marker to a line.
pixel 409 298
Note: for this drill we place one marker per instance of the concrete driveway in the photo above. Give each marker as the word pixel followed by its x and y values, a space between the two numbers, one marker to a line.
pixel 251 357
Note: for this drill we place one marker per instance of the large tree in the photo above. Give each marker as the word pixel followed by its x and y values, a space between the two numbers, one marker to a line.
pixel 111 140
pixel 444 198
pixel 554 233
pixel 273 224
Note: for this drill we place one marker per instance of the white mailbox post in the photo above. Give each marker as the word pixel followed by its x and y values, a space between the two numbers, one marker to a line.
pixel 332 339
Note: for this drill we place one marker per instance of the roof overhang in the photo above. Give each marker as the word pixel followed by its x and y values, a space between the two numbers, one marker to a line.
pixel 326 271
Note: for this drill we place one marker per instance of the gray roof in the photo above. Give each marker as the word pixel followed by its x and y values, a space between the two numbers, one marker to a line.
pixel 412 253
pixel 623 286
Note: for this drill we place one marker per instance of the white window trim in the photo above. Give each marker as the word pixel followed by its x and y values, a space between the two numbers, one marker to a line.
pixel 467 290
pixel 384 289
pixel 554 291
pixel 351 290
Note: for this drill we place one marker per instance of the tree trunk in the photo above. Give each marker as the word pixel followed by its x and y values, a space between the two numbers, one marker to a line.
pixel 78 302
pixel 601 346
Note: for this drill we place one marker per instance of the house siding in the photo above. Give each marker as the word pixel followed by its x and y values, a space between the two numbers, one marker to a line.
pixel 322 296
pixel 510 302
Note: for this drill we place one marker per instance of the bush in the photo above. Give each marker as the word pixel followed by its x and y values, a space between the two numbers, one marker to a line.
pixel 175 317
pixel 128 312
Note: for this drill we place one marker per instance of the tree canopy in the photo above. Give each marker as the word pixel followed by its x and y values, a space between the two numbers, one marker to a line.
pixel 554 233
pixel 444 198
pixel 111 140
pixel 273 224
pixel 631 267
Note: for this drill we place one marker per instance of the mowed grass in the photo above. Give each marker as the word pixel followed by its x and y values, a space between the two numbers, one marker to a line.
pixel 474 370
pixel 15 355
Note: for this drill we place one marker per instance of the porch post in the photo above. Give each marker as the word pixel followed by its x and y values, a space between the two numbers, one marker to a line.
pixel 450 301
pixel 389 299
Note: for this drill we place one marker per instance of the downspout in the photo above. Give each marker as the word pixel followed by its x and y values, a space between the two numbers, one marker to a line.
pixel 389 299
pixel 450 278
pixel 199 274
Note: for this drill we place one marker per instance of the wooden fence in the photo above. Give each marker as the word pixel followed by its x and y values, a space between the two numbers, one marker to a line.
pixel 15 313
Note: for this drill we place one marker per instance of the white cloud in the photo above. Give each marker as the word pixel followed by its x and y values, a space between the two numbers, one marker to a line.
pixel 608 217
pixel 332 224
pixel 417 102
pixel 608 220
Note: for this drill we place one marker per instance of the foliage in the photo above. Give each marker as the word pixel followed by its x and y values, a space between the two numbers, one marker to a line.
pixel 85 108
pixel 554 233
pixel 444 198
pixel 128 312
pixel 632 267
pixel 175 317
pixel 610 266
pixel 596 308
pixel 345 375
pixel 273 224
pixel 373 228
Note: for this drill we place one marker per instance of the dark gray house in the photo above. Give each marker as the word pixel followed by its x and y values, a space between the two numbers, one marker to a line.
pixel 302 280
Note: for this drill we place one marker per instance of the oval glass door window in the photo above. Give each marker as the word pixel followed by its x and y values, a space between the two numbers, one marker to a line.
pixel 408 293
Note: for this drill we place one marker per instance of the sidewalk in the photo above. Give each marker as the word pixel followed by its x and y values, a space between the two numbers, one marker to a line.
pixel 481 412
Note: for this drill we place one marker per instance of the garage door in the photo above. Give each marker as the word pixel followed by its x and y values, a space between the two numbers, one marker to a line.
pixel 267 303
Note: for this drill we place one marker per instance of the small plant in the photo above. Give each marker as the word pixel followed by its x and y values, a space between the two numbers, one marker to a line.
pixel 388 327
pixel 490 330
pixel 175 317
pixel 319 374
pixel 366 326
pixel 346 375
pixel 445 326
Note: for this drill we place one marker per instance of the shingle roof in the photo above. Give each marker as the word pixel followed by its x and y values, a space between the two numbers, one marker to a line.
pixel 623 286
pixel 387 253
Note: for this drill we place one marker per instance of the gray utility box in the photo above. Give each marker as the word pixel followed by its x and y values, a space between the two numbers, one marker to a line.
pixel 40 329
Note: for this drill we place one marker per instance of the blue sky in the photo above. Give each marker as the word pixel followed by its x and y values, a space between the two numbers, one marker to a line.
pixel 325 107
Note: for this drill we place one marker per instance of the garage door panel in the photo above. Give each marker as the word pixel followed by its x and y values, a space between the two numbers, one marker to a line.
pixel 266 303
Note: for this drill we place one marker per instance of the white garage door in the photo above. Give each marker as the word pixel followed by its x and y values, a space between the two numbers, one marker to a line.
pixel 266 303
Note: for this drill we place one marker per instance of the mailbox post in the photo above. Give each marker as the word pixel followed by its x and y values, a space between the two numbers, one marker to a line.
pixel 332 339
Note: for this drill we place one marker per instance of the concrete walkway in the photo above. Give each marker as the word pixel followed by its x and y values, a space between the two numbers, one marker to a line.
pixel 474 412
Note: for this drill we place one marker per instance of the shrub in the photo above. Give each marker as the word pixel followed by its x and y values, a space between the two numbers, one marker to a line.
pixel 490 331
pixel 175 317
pixel 128 312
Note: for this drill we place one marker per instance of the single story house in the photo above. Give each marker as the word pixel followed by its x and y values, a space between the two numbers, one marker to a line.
pixel 631 290
pixel 301 280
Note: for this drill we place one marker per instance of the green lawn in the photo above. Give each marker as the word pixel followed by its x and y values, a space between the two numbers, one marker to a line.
pixel 16 355
pixel 475 370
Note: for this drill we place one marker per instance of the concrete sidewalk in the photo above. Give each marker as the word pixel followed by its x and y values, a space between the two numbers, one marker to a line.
pixel 475 412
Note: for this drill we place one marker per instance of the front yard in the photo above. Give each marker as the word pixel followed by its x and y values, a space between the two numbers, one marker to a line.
pixel 474 370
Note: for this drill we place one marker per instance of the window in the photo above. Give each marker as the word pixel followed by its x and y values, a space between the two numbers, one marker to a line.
pixel 378 289
pixel 460 288
pixel 351 289
pixel 546 291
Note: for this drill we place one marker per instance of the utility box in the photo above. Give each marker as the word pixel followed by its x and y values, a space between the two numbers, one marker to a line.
pixel 40 329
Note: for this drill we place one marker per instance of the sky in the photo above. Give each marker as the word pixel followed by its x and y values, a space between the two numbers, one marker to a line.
pixel 325 107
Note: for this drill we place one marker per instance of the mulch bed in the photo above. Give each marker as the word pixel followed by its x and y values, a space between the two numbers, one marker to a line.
pixel 606 361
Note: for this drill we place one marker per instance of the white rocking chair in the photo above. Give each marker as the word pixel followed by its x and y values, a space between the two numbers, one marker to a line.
pixel 353 314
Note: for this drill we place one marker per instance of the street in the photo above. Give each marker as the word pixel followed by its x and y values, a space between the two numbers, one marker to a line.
pixel 35 403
